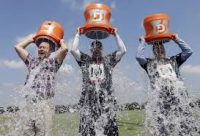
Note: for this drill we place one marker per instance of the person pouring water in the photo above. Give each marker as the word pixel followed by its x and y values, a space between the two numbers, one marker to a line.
pixel 36 118
pixel 168 111
pixel 97 102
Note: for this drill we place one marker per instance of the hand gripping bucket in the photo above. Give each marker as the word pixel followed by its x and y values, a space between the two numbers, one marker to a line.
pixel 97 24
pixel 50 30
pixel 157 28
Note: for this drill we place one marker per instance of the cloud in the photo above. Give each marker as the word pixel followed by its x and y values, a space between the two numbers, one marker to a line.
pixel 113 5
pixel 80 5
pixel 190 69
pixel 32 47
pixel 12 64
pixel 87 2
pixel 19 39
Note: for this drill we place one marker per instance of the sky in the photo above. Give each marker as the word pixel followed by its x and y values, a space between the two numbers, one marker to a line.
pixel 23 17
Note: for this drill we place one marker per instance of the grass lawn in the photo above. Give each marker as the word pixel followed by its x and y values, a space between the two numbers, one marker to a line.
pixel 130 123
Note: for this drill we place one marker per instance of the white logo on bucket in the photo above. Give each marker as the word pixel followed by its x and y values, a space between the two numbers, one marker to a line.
pixel 49 28
pixel 97 16
pixel 158 26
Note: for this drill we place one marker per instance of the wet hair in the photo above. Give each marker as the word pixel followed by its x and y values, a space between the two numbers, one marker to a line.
pixel 96 43
pixel 51 43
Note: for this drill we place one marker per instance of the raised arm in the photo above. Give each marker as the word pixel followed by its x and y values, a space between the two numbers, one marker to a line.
pixel 121 46
pixel 62 52
pixel 75 46
pixel 21 47
pixel 140 52
pixel 186 49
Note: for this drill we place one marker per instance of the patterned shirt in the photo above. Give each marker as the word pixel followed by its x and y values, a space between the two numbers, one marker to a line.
pixel 41 75
pixel 97 76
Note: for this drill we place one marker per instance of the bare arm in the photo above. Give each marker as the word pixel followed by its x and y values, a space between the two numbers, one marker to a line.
pixel 75 47
pixel 21 47
pixel 62 52
pixel 140 52
pixel 121 46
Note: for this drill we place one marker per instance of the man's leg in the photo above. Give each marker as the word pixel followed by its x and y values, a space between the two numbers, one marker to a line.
pixel 45 114
pixel 49 117
pixel 25 123
pixel 86 126
pixel 111 128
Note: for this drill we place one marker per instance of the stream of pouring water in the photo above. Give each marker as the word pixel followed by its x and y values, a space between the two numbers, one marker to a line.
pixel 32 118
pixel 168 111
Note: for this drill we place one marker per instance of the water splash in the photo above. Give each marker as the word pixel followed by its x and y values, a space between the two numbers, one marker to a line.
pixel 36 112
pixel 168 111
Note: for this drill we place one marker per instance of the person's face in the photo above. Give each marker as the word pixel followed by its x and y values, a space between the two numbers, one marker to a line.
pixel 44 50
pixel 96 51
pixel 159 51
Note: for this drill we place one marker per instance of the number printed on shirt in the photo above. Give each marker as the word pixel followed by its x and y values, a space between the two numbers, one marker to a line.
pixel 96 72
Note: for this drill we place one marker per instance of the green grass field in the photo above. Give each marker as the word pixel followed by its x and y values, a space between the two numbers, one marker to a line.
pixel 130 124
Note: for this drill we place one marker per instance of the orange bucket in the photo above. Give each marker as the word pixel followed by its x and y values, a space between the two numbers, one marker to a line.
pixel 157 28
pixel 50 30
pixel 97 24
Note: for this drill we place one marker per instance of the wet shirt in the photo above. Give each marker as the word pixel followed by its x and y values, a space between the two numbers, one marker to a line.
pixel 168 68
pixel 97 76
pixel 41 76
pixel 168 107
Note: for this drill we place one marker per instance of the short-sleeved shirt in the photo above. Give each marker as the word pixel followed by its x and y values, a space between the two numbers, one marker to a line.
pixel 41 75
pixel 97 76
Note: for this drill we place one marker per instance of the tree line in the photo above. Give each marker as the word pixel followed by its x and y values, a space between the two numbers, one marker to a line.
pixel 75 107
